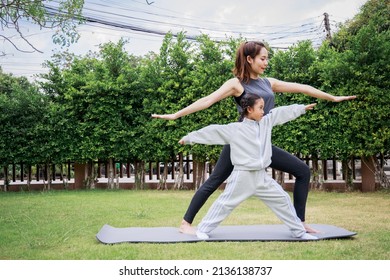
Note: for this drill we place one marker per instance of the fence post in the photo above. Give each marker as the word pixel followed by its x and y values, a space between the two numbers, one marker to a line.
pixel 79 175
pixel 6 178
pixel 368 174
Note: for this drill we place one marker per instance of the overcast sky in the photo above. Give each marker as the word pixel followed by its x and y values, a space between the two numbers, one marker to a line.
pixel 281 23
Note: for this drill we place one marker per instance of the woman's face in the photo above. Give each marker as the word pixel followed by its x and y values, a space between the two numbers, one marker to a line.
pixel 259 63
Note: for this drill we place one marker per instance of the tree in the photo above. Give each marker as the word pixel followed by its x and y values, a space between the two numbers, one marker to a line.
pixel 62 16
pixel 98 93
pixel 213 64
pixel 304 136
pixel 164 82
pixel 358 63
pixel 181 74
pixel 22 109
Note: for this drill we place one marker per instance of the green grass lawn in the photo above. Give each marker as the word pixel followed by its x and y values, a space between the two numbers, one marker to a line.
pixel 61 225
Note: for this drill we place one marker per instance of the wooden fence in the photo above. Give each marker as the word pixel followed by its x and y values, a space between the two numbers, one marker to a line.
pixel 330 174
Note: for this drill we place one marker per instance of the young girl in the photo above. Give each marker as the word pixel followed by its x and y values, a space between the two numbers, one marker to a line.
pixel 251 62
pixel 250 145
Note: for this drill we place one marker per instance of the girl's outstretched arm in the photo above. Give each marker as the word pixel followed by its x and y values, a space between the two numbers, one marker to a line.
pixel 281 86
pixel 310 106
pixel 231 87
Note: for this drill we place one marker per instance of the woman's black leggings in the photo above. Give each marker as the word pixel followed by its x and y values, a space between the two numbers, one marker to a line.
pixel 281 160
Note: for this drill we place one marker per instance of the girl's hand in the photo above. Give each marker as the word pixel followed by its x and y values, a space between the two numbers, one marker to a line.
pixel 310 106
pixel 165 117
pixel 181 141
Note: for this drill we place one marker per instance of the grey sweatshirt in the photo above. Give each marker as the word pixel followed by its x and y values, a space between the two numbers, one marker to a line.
pixel 250 141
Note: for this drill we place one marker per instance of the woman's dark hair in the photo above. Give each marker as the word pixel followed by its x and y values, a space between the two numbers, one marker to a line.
pixel 248 100
pixel 241 68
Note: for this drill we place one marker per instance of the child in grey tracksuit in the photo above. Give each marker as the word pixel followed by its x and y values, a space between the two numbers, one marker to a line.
pixel 250 144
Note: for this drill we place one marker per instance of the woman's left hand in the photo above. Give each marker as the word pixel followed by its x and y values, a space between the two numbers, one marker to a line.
pixel 343 98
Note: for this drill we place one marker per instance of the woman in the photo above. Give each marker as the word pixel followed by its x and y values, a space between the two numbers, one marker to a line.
pixel 251 62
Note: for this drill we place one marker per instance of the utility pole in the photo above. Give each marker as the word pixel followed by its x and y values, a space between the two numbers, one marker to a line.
pixel 327 27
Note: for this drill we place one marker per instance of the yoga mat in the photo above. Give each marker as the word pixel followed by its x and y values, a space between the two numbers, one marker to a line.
pixel 278 232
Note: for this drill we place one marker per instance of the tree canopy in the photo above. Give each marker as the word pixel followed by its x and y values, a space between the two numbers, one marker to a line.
pixel 62 16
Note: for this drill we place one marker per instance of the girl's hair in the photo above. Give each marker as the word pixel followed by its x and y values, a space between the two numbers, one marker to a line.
pixel 248 100
pixel 241 68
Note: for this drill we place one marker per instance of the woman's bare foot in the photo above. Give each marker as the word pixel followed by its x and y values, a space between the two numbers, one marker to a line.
pixel 186 228
pixel 309 229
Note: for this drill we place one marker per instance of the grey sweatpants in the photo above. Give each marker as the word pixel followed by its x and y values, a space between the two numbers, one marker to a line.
pixel 243 184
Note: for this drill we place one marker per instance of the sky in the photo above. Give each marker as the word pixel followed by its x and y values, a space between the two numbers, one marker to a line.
pixel 281 23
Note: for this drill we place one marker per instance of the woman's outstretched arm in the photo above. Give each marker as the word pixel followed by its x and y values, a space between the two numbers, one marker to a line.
pixel 281 86
pixel 231 87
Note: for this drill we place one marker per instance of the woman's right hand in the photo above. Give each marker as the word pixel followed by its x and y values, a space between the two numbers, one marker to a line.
pixel 165 117
pixel 231 87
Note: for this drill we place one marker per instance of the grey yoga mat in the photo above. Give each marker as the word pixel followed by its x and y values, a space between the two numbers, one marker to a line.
pixel 275 232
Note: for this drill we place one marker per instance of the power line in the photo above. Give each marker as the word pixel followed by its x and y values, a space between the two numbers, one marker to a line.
pixel 150 23
pixel 139 24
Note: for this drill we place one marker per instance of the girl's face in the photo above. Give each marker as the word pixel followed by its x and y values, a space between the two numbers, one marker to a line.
pixel 256 112
pixel 259 63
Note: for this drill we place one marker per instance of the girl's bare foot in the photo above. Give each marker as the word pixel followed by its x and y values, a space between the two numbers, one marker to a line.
pixel 186 228
pixel 309 229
